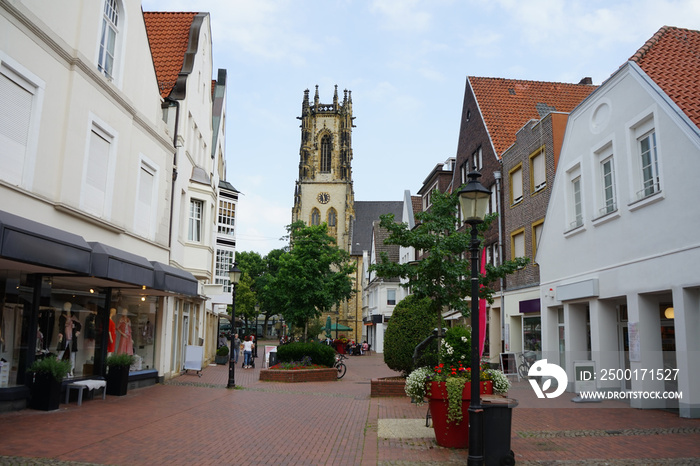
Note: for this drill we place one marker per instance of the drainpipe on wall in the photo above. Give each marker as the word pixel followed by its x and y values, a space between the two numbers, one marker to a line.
pixel 172 102
pixel 497 176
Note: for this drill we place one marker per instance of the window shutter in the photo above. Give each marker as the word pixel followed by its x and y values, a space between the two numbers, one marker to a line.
pixel 16 105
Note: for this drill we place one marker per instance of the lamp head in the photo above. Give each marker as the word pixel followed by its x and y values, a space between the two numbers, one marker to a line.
pixel 474 199
pixel 234 274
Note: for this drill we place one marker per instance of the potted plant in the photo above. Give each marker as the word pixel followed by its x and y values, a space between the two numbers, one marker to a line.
pixel 46 382
pixel 448 388
pixel 118 373
pixel 221 355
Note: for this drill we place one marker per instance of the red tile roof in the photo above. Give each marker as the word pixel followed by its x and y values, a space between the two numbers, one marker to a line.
pixel 168 36
pixel 507 104
pixel 672 59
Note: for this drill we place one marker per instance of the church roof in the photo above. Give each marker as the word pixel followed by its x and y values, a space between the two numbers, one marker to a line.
pixel 366 212
pixel 168 35
pixel 672 59
pixel 507 104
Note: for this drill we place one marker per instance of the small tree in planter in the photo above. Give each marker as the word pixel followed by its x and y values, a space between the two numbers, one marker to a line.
pixel 46 382
pixel 118 373
pixel 221 355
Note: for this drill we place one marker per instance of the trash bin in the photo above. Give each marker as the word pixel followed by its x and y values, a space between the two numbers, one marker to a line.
pixel 498 414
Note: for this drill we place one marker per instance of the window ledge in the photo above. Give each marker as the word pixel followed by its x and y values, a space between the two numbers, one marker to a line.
pixel 645 201
pixel 605 218
pixel 574 231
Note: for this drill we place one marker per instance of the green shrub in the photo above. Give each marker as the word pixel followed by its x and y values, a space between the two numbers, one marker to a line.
pixel 320 354
pixel 119 360
pixel 411 322
pixel 58 369
pixel 222 351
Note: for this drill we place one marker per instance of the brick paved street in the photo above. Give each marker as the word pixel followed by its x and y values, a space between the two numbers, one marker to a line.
pixel 193 420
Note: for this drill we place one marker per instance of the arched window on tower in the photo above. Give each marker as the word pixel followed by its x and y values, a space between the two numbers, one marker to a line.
pixel 315 217
pixel 326 147
pixel 332 221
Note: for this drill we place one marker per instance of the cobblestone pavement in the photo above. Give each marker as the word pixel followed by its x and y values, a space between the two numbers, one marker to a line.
pixel 196 420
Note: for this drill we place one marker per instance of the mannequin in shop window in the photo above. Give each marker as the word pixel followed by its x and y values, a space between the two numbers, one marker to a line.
pixel 112 342
pixel 69 330
pixel 126 344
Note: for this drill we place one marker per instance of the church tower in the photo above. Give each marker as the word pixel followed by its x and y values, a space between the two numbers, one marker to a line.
pixel 324 191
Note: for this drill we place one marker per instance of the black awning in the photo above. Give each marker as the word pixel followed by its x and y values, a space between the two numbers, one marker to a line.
pixel 35 243
pixel 116 264
pixel 174 280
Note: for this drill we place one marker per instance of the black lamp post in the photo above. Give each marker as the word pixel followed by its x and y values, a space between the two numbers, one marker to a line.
pixel 474 201
pixel 234 276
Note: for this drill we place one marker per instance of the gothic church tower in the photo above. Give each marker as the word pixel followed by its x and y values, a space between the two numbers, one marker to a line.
pixel 324 191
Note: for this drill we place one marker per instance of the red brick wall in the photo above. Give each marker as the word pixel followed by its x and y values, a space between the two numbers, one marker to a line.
pixel 306 375
pixel 388 387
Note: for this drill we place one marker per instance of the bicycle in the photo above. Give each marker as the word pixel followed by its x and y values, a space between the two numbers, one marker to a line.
pixel 340 365
pixel 526 360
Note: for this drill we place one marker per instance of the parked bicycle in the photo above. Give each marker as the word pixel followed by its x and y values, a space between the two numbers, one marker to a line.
pixel 340 365
pixel 527 359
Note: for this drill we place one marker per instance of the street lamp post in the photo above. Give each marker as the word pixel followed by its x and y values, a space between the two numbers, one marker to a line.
pixel 474 202
pixel 234 276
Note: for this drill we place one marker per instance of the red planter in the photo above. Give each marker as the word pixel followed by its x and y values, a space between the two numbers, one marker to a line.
pixel 451 434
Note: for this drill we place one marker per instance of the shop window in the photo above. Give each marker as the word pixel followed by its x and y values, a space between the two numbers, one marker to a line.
pixel 532 334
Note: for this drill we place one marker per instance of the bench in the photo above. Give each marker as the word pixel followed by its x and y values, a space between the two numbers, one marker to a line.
pixel 81 385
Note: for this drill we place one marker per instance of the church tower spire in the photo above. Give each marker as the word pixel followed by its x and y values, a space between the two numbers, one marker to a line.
pixel 324 190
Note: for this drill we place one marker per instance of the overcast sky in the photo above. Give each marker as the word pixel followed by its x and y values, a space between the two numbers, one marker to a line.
pixel 406 63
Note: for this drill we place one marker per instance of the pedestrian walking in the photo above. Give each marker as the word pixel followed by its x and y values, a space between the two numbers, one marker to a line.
pixel 247 352
pixel 236 348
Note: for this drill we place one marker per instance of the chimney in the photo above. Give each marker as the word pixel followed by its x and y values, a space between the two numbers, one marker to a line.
pixel 586 80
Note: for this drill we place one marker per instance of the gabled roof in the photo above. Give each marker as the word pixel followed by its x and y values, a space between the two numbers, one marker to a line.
pixel 507 104
pixel 168 35
pixel 672 59
pixel 366 212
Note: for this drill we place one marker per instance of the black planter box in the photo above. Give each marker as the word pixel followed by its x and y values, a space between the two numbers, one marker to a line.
pixel 117 380
pixel 45 392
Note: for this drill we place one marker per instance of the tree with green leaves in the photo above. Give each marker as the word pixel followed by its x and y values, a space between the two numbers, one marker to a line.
pixel 444 274
pixel 313 276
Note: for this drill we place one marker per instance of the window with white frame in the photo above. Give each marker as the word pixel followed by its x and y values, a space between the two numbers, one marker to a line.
pixel 146 205
pixel 227 216
pixel 391 297
pixel 517 243
pixel 96 192
pixel 575 201
pixel 194 228
pixel 607 195
pixel 108 38
pixel 20 98
pixel 538 174
pixel 650 165
pixel 427 197
pixel 477 159
pixel 224 262
pixel 516 184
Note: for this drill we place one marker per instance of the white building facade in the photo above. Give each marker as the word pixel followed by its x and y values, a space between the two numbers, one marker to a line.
pixel 618 255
